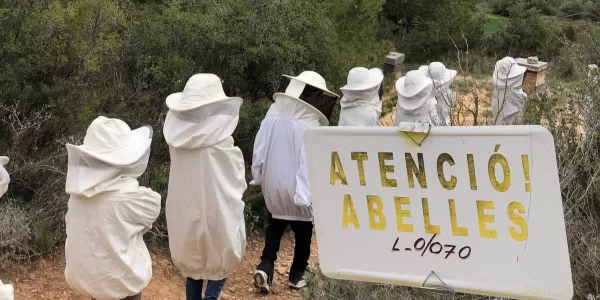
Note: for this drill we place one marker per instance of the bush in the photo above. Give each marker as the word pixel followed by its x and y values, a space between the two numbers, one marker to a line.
pixel 15 234
pixel 67 62
pixel 424 29
pixel 503 7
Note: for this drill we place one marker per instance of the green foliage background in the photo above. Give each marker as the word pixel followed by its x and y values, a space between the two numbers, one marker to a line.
pixel 65 62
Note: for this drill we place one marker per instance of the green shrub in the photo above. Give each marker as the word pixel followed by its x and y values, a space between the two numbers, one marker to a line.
pixel 67 62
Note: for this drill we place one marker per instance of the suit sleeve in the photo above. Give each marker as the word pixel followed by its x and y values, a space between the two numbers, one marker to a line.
pixel 302 196
pixel 258 155
pixel 147 208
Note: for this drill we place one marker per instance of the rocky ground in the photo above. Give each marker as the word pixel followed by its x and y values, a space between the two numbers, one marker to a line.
pixel 44 279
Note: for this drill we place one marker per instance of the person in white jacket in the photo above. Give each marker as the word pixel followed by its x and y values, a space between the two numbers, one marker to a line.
pixel 108 212
pixel 361 101
pixel 204 210
pixel 6 290
pixel 508 99
pixel 416 99
pixel 279 166
pixel 442 80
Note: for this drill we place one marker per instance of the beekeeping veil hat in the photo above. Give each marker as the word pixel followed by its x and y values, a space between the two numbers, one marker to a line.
pixel 414 91
pixel 200 90
pixel 113 142
pixel 437 71
pixel 507 72
pixel 309 87
pixel 360 79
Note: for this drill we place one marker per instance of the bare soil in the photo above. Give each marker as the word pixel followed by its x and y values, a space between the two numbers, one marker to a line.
pixel 44 279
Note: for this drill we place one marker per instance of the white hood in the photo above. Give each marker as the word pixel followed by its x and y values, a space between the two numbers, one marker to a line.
pixel 508 99
pixel 108 213
pixel 88 177
pixel 426 113
pixel 204 210
pixel 360 108
pixel 297 109
pixel 202 127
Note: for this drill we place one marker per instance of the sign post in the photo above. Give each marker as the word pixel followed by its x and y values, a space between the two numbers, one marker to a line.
pixel 471 209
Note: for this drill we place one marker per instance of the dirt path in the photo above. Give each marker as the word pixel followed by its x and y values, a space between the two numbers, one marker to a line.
pixel 45 279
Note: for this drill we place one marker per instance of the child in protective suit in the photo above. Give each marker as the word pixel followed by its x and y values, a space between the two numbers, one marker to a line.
pixel 109 212
pixel 205 211
pixel 508 98
pixel 279 167
pixel 361 102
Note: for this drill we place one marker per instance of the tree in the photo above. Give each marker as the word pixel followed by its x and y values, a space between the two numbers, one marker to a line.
pixel 429 28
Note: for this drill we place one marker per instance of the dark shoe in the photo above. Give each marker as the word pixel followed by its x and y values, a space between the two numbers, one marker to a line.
pixel 261 281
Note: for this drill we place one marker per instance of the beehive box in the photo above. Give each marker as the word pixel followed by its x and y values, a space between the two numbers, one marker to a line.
pixel 535 76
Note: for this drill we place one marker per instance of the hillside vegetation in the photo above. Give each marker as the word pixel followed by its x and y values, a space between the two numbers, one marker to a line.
pixel 65 62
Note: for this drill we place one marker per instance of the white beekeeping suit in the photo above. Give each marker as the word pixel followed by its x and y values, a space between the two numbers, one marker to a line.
pixel 204 210
pixel 108 211
pixel 508 99
pixel 442 80
pixel 6 290
pixel 280 137
pixel 361 101
pixel 279 166
pixel 416 99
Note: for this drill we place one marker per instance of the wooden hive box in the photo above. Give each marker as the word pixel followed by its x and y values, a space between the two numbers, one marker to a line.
pixel 535 76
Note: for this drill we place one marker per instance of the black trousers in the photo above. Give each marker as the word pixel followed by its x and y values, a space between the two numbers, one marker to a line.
pixel 303 235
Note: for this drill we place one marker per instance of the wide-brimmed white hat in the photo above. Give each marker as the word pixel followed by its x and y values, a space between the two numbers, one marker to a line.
pixel 113 142
pixel 414 90
pixel 508 68
pixel 296 88
pixel 360 79
pixel 438 72
pixel 200 89
pixel 314 79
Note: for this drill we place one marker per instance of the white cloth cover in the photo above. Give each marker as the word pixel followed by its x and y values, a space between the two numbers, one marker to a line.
pixel 360 108
pixel 279 161
pixel 427 113
pixel 108 213
pixel 4 178
pixel 508 100
pixel 204 210
pixel 7 291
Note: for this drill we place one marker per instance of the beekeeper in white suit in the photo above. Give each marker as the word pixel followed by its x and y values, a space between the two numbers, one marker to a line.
pixel 279 166
pixel 416 99
pixel 108 212
pixel 508 99
pixel 442 80
pixel 361 100
pixel 6 290
pixel 204 210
